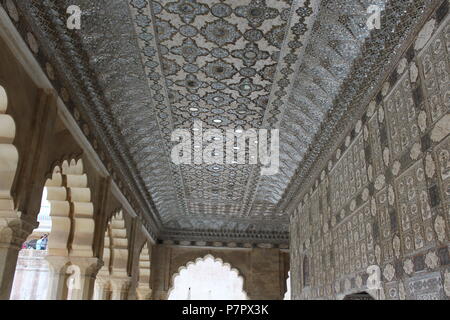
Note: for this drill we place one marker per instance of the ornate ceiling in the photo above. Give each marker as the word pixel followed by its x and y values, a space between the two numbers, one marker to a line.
pixel 158 65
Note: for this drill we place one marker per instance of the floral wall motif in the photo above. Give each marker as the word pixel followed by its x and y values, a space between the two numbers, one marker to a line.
pixel 383 199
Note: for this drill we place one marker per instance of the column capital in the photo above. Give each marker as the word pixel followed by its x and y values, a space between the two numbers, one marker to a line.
pixel 13 229
pixel 58 263
pixel 88 265
pixel 143 291
pixel 120 283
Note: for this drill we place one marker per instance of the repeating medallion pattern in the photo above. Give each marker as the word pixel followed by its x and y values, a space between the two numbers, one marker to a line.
pixel 139 69
pixel 381 200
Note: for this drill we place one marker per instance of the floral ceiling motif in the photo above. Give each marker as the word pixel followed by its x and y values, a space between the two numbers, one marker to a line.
pixel 230 63
pixel 219 59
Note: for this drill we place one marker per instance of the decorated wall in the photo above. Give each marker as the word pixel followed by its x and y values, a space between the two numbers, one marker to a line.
pixel 383 198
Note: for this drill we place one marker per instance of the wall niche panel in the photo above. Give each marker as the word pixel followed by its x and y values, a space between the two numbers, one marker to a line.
pixel 383 199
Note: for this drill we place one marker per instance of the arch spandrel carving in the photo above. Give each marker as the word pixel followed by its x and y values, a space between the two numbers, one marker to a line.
pixel 60 215
pixel 71 210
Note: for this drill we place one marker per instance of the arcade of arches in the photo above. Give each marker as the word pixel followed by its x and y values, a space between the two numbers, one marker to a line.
pixel 85 123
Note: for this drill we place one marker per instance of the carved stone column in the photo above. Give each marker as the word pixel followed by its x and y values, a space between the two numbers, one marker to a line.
pixel 8 260
pixel 120 287
pixel 102 288
pixel 13 232
pixel 86 270
pixel 57 289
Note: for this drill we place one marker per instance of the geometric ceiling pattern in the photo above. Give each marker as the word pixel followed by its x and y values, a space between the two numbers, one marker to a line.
pixel 233 64
pixel 215 62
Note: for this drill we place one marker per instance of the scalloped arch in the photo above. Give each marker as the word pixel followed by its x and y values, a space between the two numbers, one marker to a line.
pixel 225 265
pixel 115 248
pixel 71 210
pixel 64 160
pixel 144 264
